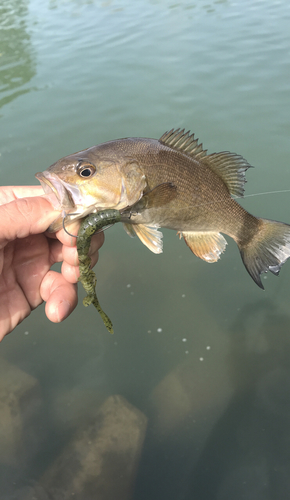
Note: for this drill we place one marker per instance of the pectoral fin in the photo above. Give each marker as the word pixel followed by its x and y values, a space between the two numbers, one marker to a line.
pixel 207 246
pixel 160 195
pixel 150 236
pixel 156 197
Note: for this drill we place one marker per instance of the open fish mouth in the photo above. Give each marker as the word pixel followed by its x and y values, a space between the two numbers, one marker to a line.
pixel 62 198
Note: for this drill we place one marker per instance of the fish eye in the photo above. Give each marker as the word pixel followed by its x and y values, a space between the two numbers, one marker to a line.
pixel 86 171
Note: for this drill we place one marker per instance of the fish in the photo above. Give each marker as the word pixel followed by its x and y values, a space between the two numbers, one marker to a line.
pixel 169 183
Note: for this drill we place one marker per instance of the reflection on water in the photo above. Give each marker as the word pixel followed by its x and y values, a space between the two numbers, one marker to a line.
pixel 190 397
pixel 17 65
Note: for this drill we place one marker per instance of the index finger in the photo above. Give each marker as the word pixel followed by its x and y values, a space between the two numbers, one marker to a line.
pixel 24 216
pixel 11 193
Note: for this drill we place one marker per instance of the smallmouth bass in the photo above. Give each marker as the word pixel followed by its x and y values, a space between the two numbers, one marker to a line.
pixel 173 183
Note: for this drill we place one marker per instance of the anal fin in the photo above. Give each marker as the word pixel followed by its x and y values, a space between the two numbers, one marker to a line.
pixel 205 245
pixel 150 236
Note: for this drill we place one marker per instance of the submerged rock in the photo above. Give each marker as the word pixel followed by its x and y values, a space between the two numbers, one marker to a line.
pixel 19 403
pixel 101 460
pixel 185 408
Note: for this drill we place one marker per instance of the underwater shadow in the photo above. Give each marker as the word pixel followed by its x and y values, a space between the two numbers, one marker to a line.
pixel 247 453
pixel 235 443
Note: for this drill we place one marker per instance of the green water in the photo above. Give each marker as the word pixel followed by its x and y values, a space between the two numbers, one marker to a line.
pixel 198 348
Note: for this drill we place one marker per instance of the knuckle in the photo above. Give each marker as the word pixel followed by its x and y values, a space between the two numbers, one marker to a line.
pixel 24 208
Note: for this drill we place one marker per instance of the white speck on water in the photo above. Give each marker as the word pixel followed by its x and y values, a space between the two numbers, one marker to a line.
pixel 159 330
pixel 183 295
pixel 149 331
pixel 26 333
pixel 186 352
pixel 200 359
pixel 184 340
pixel 208 347
pixel 128 286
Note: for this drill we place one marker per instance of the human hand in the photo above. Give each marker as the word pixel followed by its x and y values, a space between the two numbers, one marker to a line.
pixel 27 254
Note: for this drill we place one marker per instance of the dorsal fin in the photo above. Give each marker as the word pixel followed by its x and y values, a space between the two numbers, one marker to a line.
pixel 231 168
pixel 183 142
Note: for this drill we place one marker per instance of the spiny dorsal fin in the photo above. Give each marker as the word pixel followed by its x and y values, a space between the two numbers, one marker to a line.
pixel 231 168
pixel 183 142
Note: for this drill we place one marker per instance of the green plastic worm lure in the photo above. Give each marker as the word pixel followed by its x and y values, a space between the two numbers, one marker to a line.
pixel 89 226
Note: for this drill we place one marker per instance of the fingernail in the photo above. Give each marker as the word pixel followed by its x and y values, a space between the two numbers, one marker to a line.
pixel 63 310
pixel 76 262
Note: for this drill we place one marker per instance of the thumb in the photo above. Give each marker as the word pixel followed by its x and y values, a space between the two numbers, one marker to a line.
pixel 25 216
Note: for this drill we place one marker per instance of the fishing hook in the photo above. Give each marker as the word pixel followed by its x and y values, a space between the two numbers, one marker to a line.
pixel 63 219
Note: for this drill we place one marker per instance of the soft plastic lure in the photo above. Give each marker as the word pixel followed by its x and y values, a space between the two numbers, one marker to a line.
pixel 90 225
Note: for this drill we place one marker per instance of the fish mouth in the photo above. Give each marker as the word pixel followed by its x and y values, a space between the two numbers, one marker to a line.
pixel 60 196
pixel 64 197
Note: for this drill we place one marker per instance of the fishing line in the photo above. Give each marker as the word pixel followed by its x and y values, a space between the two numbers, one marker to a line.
pixel 266 192
pixel 65 215
pixel 234 197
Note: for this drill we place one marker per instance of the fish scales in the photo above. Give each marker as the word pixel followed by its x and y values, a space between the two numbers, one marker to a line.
pixel 162 164
pixel 205 206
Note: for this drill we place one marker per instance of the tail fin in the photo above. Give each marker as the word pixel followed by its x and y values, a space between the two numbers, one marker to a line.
pixel 267 250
